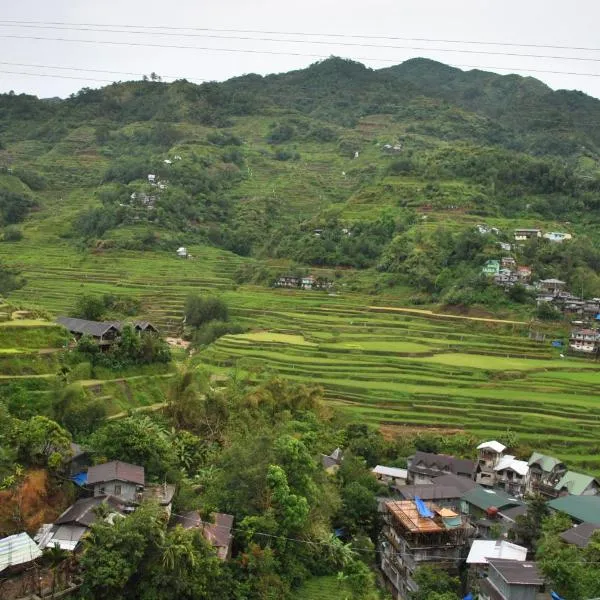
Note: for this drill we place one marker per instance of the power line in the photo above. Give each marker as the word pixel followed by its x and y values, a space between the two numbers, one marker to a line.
pixel 320 42
pixel 278 53
pixel 55 76
pixel 306 34
pixel 93 70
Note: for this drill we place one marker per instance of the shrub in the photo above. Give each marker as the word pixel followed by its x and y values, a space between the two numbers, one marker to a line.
pixel 12 234
pixel 213 330
pixel 200 310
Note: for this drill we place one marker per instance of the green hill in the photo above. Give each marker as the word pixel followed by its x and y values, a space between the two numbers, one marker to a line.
pixel 379 175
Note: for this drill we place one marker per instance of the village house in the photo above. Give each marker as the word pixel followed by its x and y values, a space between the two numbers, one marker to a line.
pixel 581 509
pixel 482 502
pixel 491 268
pixel 73 524
pixel 508 262
pixel 505 246
pixel 506 278
pixel 308 282
pixel 556 236
pixel 580 535
pixel 151 178
pixel 216 532
pixel 331 462
pixel 524 274
pixel 577 484
pixel 182 252
pixel 104 332
pixel 522 235
pixel 390 475
pixel 288 281
pixel 17 552
pixel 444 495
pixel 126 482
pixel 544 473
pixel 551 286
pixel 511 475
pixel 122 480
pixel 417 533
pixel 488 457
pixel 584 340
pixel 512 580
pixel 482 551
pixel 425 465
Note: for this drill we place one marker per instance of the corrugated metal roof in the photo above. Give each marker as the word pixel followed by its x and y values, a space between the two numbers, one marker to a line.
pixel 17 550
pixel 547 463
pixel 116 471
pixel 580 508
pixel 83 326
pixel 390 472
pixel 492 445
pixel 575 483
pixel 516 572
pixel 580 535
pixel 484 499
pixel 482 550
pixel 511 463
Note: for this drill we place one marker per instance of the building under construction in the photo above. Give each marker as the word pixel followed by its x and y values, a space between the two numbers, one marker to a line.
pixel 417 533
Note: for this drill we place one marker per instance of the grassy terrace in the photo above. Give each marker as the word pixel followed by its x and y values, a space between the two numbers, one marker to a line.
pixel 380 364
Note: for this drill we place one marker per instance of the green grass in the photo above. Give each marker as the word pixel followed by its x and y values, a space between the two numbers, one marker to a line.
pixel 322 588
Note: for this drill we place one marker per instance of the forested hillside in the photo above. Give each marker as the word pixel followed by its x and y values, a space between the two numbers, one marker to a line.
pixel 335 166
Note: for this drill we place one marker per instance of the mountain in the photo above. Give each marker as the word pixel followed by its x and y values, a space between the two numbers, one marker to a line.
pixel 391 167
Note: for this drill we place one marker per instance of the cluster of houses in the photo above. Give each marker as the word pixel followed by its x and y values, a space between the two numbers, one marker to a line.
pixel 105 333
pixel 523 235
pixel 309 282
pixel 108 491
pixel 452 512
pixel 506 272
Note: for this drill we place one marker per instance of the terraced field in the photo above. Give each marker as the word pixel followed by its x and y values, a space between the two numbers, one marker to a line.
pixel 381 364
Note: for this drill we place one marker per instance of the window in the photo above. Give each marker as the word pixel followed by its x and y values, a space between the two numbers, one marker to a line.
pixel 117 489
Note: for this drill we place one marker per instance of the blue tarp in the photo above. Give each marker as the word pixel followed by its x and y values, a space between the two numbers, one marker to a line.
pixel 469 596
pixel 422 509
pixel 557 344
pixel 555 596
pixel 598 317
pixel 80 479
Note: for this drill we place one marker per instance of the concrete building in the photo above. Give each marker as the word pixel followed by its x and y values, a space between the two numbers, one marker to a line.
pixel 512 580
pixel 425 465
pixel 488 456
pixel 417 533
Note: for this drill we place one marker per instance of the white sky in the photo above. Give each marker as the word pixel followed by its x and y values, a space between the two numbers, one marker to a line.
pixel 546 22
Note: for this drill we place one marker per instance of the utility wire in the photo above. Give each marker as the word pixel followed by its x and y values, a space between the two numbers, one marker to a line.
pixel 13 64
pixel 278 53
pixel 302 33
pixel 312 42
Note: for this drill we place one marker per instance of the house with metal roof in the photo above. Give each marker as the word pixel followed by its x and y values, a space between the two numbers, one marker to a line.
pixel 544 473
pixel 70 527
pixel 484 550
pixel 511 580
pixel 480 502
pixel 390 475
pixel 581 509
pixel 119 479
pixel 17 552
pixel 580 535
pixel 577 484
pixel 217 532
pixel 488 456
pixel 511 474
pixel 446 496
pixel 104 332
pixel 425 465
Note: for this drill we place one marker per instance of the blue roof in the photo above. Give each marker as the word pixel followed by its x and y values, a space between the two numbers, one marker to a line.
pixel 80 478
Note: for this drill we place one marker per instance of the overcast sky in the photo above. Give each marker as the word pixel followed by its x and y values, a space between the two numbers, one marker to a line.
pixel 531 22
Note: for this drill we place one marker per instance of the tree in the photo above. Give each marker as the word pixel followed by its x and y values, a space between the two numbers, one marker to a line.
pixel 90 307
pixel 137 440
pixel 41 442
pixel 528 527
pixel 200 310
pixel 435 584
pixel 292 509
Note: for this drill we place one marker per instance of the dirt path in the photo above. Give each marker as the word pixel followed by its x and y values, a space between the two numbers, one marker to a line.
pixel 430 313
pixel 141 409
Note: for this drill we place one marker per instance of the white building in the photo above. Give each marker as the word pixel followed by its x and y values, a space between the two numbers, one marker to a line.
pixel 390 474
pixel 182 252
pixel 511 474
pixel 557 236
pixel 489 455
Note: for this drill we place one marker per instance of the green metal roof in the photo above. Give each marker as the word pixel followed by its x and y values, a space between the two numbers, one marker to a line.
pixel 483 498
pixel 574 483
pixel 546 462
pixel 580 508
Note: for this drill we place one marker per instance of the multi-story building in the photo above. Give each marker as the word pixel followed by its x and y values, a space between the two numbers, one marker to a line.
pixel 417 533
pixel 512 475
pixel 544 474
pixel 423 466
pixel 512 580
pixel 488 456
pixel 584 340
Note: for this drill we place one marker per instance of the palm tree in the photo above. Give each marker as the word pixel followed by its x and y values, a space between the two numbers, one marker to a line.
pixel 178 552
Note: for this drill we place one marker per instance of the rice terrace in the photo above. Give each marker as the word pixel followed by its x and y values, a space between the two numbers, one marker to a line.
pixel 383 365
